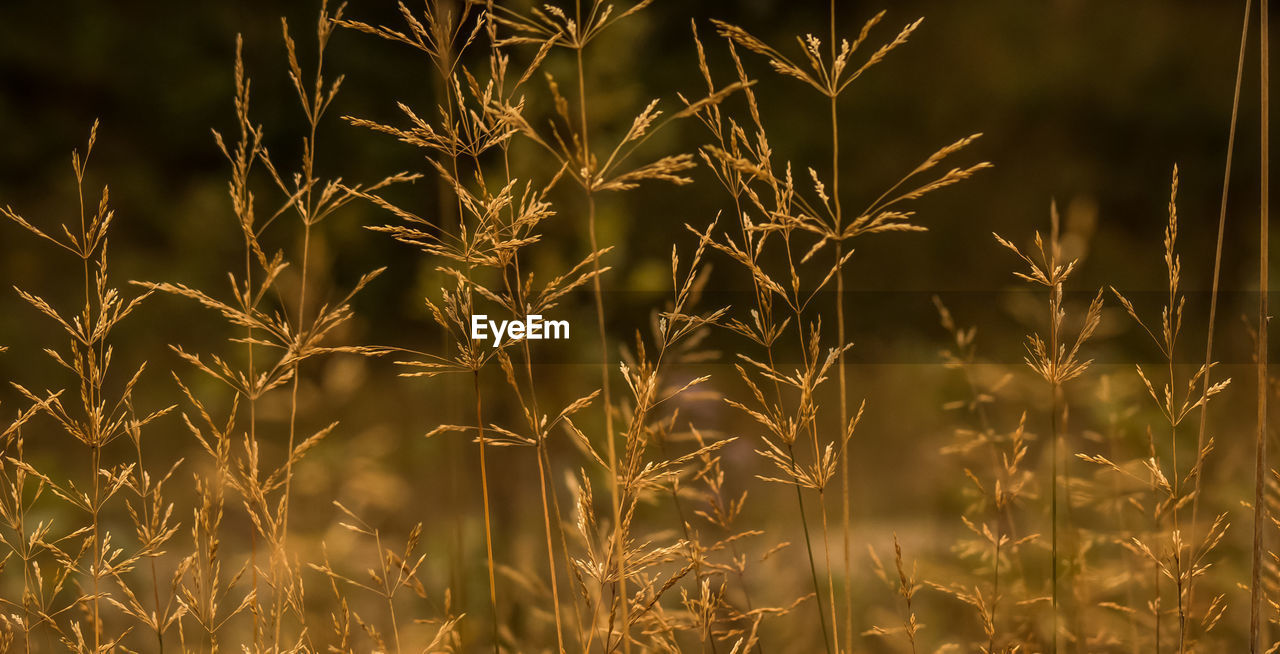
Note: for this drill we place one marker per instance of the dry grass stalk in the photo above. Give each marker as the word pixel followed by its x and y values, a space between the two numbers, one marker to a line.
pixel 1056 364
pixel 293 335
pixel 101 419
pixel 990 517
pixel 1261 460
pixel 570 144
pixel 1177 560
pixel 746 170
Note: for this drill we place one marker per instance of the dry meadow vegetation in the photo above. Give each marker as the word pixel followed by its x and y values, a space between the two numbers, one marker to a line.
pixel 685 484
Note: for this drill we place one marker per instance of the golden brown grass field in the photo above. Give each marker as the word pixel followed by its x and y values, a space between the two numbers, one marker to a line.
pixel 809 327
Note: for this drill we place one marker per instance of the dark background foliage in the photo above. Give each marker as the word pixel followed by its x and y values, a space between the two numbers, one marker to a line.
pixel 1086 102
